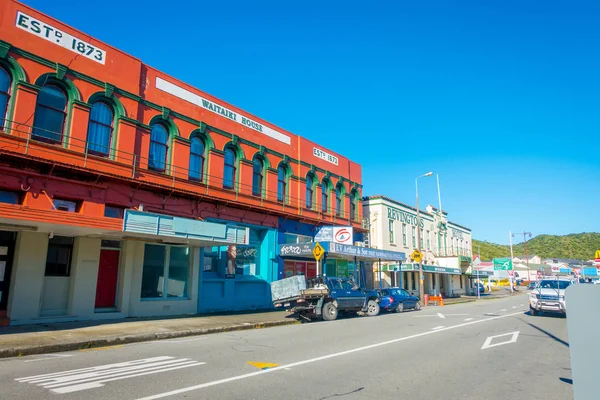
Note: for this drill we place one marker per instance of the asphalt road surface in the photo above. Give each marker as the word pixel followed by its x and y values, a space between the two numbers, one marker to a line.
pixel 491 349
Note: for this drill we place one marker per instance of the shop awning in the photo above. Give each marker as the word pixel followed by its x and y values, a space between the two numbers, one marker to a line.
pixel 337 250
pixel 431 268
pixel 169 229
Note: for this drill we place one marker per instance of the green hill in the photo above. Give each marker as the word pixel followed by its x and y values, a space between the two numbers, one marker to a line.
pixel 581 246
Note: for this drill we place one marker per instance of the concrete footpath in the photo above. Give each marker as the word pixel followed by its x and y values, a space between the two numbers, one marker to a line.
pixel 67 336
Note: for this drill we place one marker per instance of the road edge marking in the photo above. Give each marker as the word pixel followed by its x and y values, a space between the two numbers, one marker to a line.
pixel 312 360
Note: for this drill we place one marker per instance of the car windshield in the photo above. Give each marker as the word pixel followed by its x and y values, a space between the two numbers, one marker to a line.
pixel 554 284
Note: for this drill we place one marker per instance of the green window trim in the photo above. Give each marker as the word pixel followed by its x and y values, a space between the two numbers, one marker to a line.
pixel 118 111
pixel 173 132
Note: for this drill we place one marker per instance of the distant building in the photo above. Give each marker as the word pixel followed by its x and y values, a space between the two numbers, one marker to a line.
pixel 531 259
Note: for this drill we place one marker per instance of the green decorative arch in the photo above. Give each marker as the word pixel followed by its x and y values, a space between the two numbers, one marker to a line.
pixel 53 78
pixel 173 132
pixel 17 74
pixel 118 111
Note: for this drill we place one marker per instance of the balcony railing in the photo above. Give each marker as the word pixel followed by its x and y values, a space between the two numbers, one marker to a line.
pixel 133 167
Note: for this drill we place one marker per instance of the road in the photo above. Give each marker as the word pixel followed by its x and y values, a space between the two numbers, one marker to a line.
pixel 490 349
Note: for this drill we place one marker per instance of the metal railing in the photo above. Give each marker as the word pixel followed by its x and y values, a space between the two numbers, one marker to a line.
pixel 74 152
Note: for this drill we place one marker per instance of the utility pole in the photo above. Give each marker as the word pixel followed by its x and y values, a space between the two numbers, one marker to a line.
pixel 421 280
pixel 510 236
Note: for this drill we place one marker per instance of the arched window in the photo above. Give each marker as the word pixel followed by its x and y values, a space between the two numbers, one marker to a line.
pixel 282 183
pixel 309 191
pixel 325 195
pixel 196 172
pixel 5 83
pixel 338 200
pixel 257 176
pixel 100 129
pixel 229 169
pixel 157 158
pixel 353 205
pixel 50 114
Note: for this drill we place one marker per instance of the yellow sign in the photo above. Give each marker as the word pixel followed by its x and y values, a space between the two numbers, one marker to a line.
pixel 417 256
pixel 318 251
pixel 262 365
pixel 597 254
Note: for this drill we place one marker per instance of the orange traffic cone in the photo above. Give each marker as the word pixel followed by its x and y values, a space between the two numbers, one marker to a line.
pixel 441 300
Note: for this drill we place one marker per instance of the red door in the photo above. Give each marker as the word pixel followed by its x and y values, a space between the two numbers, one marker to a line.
pixel 108 273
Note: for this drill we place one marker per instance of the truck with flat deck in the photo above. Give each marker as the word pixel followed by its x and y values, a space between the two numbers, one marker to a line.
pixel 322 297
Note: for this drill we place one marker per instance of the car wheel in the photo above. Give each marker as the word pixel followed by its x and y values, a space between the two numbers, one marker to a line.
pixel 533 311
pixel 418 306
pixel 372 308
pixel 330 312
pixel 400 308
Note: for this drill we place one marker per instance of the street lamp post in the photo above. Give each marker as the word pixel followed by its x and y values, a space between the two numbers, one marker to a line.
pixel 421 280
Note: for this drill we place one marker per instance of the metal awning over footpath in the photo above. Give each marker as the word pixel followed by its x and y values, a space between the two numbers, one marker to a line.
pixel 168 229
pixel 426 268
pixel 339 251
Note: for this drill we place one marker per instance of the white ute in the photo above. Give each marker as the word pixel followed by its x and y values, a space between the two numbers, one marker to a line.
pixel 548 295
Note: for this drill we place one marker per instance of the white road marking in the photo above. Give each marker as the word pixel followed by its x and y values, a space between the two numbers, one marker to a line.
pixel 488 342
pixel 522 305
pixel 441 315
pixel 437 327
pixel 95 377
pixel 421 316
pixel 514 306
pixel 503 310
pixel 313 360
pixel 49 357
pixel 469 319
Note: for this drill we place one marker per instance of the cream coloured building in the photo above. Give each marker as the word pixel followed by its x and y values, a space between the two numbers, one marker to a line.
pixel 446 247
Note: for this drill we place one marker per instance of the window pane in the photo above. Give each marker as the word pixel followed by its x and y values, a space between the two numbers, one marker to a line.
pixel 178 272
pixel 100 128
pixel 48 124
pixel 114 212
pixel 195 167
pixel 58 257
pixel 4 81
pixel 9 197
pixel 197 146
pixel 153 273
pixel 229 157
pixel 158 155
pixel 257 177
pixel 52 97
pixel 159 134
pixel 4 95
pixel 228 175
pixel 324 199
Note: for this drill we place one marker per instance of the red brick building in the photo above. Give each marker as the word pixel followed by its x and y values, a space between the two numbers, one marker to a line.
pixel 108 166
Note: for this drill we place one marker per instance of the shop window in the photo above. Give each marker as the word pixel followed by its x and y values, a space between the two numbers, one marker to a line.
pixel 58 258
pixel 229 169
pixel 282 183
pixel 414 281
pixel 5 84
pixel 292 238
pixel 391 229
pixel 238 260
pixel 65 205
pixel 100 129
pixel 10 197
pixel 111 244
pixel 50 114
pixel 166 272
pixel 157 158
pixel 114 212
pixel 309 191
pixel 196 172
pixel 257 176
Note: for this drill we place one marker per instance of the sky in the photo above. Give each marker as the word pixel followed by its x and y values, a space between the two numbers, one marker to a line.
pixel 501 99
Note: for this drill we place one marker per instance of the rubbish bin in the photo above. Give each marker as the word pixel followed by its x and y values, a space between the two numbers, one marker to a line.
pixel 425 300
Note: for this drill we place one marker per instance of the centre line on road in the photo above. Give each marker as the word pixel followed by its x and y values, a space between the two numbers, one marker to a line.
pixel 438 327
pixel 313 360
pixel 469 319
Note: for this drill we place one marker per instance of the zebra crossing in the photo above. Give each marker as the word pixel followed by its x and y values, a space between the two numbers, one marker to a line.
pixel 96 377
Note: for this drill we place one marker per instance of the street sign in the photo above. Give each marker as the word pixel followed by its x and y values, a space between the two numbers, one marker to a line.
pixel 417 256
pixel 318 251
pixel 503 264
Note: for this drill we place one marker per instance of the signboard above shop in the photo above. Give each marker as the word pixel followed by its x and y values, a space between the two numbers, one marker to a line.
pixel 335 234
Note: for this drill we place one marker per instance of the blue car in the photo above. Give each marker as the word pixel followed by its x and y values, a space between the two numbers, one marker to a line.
pixel 396 299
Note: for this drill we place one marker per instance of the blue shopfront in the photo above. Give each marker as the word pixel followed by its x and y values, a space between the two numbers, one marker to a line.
pixel 238 277
pixel 340 260
pixel 295 233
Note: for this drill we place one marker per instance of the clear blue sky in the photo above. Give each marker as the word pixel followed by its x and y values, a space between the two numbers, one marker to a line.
pixel 500 98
